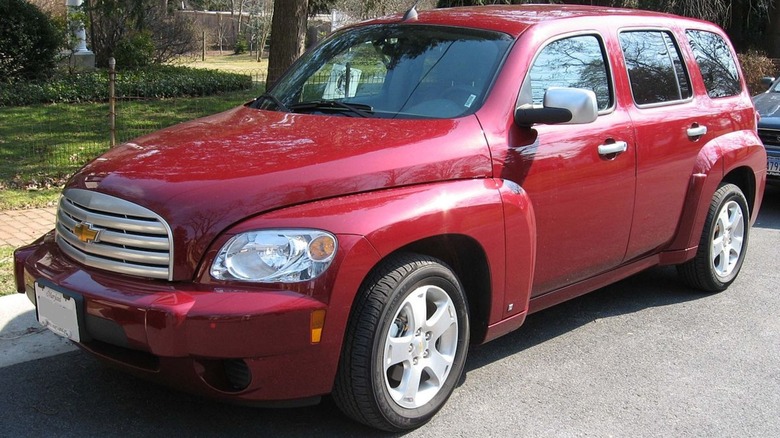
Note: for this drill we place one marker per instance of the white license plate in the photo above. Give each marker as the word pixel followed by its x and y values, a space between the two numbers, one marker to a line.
pixel 58 312
pixel 773 165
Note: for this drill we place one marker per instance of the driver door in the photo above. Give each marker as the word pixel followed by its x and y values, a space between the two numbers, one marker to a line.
pixel 582 197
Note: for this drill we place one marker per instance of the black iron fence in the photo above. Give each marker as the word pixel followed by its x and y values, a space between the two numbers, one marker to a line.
pixel 41 145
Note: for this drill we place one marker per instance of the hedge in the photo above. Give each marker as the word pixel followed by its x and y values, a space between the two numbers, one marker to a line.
pixel 152 82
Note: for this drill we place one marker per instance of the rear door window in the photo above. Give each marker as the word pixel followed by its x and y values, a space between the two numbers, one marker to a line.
pixel 655 67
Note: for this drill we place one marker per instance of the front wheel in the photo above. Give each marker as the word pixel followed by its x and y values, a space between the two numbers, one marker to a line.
pixel 723 243
pixel 405 346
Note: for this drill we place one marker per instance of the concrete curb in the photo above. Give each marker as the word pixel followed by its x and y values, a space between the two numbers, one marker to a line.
pixel 22 338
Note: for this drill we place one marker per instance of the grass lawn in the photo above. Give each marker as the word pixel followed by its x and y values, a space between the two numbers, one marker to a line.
pixel 226 62
pixel 41 145
pixel 17 199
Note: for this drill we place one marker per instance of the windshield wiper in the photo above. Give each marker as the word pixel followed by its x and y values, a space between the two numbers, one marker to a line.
pixel 360 109
pixel 275 100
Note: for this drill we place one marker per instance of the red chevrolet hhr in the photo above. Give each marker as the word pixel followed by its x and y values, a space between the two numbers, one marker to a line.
pixel 413 185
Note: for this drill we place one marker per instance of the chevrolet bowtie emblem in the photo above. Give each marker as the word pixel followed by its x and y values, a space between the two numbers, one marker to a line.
pixel 86 233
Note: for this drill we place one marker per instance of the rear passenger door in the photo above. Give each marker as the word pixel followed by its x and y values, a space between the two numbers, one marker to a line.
pixel 671 126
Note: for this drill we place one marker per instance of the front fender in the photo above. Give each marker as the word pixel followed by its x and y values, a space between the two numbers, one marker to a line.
pixel 495 214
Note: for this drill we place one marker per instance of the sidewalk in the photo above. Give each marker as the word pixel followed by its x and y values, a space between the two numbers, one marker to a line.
pixel 21 337
pixel 20 227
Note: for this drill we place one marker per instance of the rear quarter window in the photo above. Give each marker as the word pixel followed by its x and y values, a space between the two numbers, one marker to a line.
pixel 716 63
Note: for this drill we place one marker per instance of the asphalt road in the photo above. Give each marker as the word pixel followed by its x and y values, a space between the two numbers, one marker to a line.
pixel 644 357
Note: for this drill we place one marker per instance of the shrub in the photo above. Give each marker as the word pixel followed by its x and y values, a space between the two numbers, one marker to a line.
pixel 135 51
pixel 29 42
pixel 241 47
pixel 170 81
pixel 756 65
pixel 153 82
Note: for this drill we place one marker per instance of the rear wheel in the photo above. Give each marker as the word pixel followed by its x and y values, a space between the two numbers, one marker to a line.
pixel 405 346
pixel 723 243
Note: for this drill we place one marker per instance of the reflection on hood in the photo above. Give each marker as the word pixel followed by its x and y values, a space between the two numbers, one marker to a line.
pixel 208 174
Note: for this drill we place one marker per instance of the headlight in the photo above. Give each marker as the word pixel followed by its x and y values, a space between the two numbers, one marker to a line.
pixel 275 256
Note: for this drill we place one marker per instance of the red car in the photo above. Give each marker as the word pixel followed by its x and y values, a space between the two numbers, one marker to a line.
pixel 411 186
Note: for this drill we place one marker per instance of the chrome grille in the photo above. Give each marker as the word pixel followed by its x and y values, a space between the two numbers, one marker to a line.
pixel 109 233
pixel 770 137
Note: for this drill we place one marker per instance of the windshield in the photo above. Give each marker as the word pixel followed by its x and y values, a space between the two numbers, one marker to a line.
pixel 396 71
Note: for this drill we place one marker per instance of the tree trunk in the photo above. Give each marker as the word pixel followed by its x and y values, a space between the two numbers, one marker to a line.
pixel 240 17
pixel 233 21
pixel 288 34
pixel 736 27
pixel 90 10
pixel 774 30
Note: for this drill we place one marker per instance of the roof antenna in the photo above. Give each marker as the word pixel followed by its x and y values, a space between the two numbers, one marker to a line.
pixel 411 14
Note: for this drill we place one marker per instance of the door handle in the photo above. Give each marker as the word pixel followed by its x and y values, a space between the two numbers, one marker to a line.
pixel 617 147
pixel 697 130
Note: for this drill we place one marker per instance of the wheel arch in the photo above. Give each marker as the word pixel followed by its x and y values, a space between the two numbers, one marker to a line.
pixel 744 178
pixel 716 265
pixel 737 159
pixel 468 261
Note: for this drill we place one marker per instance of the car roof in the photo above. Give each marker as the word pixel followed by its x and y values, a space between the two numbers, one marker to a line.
pixel 515 19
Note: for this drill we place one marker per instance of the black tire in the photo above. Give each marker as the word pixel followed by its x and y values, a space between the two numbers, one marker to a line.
pixel 723 243
pixel 383 318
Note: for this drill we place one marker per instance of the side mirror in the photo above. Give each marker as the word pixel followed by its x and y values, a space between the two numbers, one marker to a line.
pixel 561 105
pixel 766 81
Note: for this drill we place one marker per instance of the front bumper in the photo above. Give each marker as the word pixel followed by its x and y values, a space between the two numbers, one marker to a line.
pixel 231 344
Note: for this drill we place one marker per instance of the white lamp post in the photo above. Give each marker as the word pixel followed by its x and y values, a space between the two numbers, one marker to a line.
pixel 81 57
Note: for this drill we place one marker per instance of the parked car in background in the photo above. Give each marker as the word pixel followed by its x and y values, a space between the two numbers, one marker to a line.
pixel 768 107
pixel 413 185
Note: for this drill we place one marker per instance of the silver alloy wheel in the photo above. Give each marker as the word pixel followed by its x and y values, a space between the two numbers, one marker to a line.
pixel 420 346
pixel 727 239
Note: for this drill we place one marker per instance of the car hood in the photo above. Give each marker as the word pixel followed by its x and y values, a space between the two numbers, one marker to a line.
pixel 208 174
pixel 768 106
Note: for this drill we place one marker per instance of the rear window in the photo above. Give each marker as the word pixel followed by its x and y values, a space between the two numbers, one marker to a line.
pixel 716 63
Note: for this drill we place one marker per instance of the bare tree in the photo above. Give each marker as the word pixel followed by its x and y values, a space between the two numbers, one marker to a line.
pixel 220 31
pixel 748 22
pixel 261 24
pixel 174 34
pixel 237 6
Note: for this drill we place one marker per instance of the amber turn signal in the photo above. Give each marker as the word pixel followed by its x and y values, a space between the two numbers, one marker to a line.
pixel 317 322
